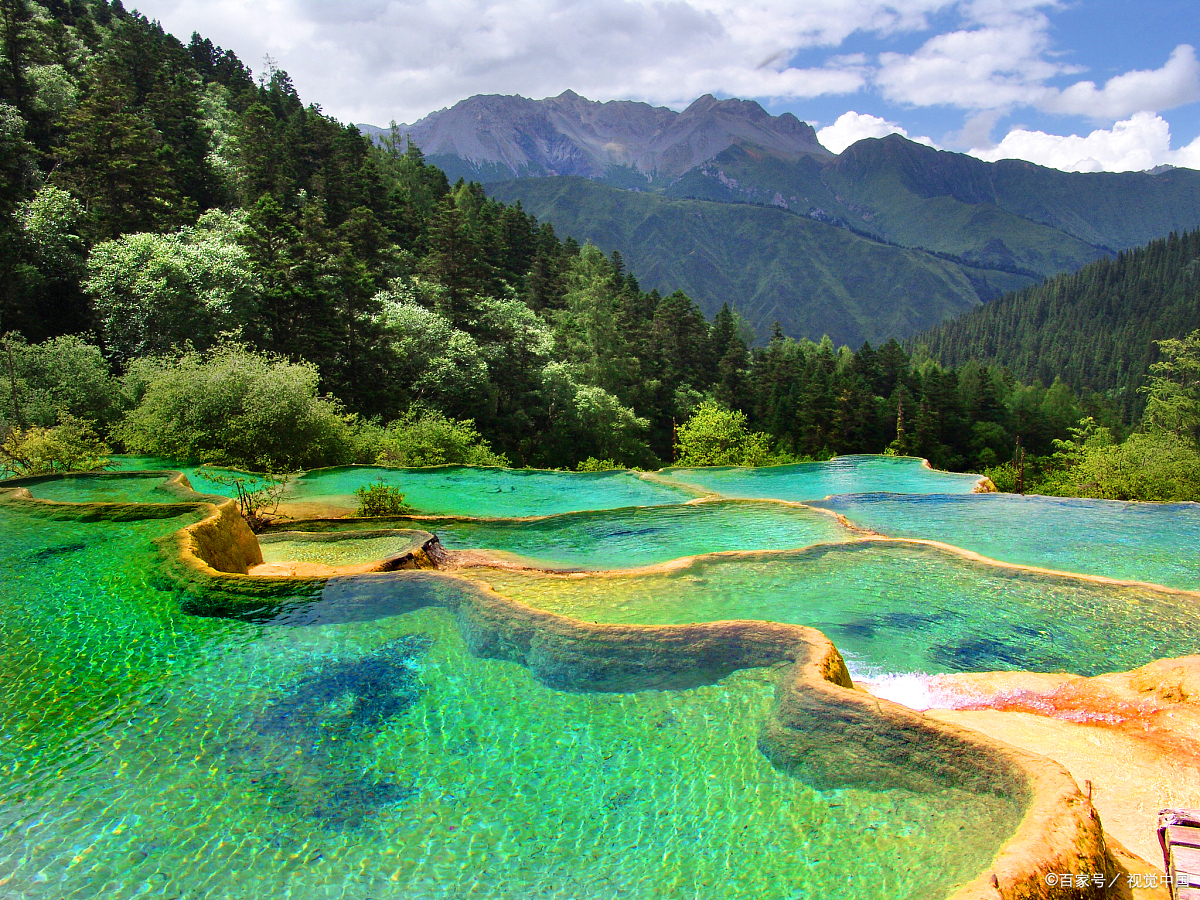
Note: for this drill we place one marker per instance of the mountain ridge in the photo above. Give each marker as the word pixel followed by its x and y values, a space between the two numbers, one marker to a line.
pixel 496 134
pixel 1003 225
pixel 758 259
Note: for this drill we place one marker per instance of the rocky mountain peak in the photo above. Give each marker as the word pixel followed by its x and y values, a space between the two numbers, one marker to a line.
pixel 502 136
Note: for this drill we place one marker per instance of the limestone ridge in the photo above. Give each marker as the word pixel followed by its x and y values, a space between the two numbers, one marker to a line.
pixel 500 137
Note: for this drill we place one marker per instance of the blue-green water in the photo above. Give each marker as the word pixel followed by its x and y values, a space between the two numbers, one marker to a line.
pixel 804 482
pixel 150 753
pixel 628 538
pixel 1154 542
pixel 144 751
pixel 892 607
pixel 200 477
pixel 105 489
pixel 467 491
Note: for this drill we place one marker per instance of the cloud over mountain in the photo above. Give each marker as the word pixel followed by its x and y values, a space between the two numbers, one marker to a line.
pixel 954 69
pixel 853 126
pixel 1140 142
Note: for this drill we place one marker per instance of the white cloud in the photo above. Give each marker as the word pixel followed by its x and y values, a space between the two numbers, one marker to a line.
pixel 853 126
pixel 1140 142
pixel 375 60
pixel 372 60
pixel 1004 59
pixel 1001 64
pixel 1175 84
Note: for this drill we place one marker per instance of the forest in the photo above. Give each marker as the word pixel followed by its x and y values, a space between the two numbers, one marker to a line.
pixel 1096 328
pixel 195 264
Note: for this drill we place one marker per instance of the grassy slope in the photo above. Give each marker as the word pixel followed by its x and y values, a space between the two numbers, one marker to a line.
pixel 895 198
pixel 768 263
pixel 1098 211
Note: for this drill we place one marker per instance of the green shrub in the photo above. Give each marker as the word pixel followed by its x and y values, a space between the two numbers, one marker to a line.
pixel 1147 466
pixel 234 407
pixel 257 496
pixel 70 446
pixel 61 375
pixel 591 464
pixel 380 499
pixel 716 436
pixel 428 438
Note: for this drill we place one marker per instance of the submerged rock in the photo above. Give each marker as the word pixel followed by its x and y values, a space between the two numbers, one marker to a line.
pixel 355 694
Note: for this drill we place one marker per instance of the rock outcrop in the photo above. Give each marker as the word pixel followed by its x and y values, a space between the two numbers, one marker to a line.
pixel 510 136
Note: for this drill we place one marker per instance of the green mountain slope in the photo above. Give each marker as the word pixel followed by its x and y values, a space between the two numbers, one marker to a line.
pixel 998 226
pixel 1106 210
pixel 802 240
pixel 770 264
pixel 1095 328
pixel 1015 217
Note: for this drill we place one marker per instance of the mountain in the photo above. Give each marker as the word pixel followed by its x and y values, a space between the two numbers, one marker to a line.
pixel 496 138
pixel 995 226
pixel 1094 328
pixel 1012 214
pixel 772 264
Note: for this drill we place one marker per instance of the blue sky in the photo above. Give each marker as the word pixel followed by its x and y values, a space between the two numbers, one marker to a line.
pixel 1076 84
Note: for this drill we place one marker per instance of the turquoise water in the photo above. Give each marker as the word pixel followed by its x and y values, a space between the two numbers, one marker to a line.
pixel 361 751
pixel 467 491
pixel 339 549
pixel 628 538
pixel 197 476
pixel 813 481
pixel 1154 542
pixel 892 608
pixel 147 752
pixel 515 493
pixel 105 489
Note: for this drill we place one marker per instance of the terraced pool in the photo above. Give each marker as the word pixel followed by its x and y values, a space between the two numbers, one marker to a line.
pixel 381 736
pixel 891 607
pixel 1154 542
pixel 642 536
pixel 150 752
pixel 114 488
pixel 805 482
pixel 468 491
pixel 340 548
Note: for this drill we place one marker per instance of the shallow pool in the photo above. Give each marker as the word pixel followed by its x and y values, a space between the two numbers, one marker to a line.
pixel 892 607
pixel 105 489
pixel 812 481
pixel 490 492
pixel 201 478
pixel 339 548
pixel 151 753
pixel 627 538
pixel 1154 542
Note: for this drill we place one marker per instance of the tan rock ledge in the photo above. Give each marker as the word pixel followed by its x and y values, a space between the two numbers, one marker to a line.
pixel 1134 737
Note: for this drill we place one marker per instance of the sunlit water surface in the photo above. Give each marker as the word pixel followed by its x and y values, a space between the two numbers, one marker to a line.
pixel 105 489
pixel 627 538
pixel 468 491
pixel 803 482
pixel 893 608
pixel 339 549
pixel 150 753
pixel 1154 542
